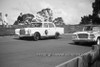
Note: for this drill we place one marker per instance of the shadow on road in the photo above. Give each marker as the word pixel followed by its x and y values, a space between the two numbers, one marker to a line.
pixel 82 44
pixel 31 39
pixel 24 38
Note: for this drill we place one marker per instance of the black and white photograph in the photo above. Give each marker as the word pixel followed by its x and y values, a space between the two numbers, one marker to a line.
pixel 49 33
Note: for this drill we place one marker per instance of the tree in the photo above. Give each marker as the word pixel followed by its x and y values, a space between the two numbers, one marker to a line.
pixel 96 12
pixel 46 14
pixel 86 19
pixel 95 17
pixel 58 21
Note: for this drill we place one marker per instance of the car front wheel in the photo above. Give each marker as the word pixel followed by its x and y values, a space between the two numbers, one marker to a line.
pixel 36 36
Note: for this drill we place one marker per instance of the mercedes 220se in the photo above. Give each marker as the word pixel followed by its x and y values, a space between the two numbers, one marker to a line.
pixel 38 30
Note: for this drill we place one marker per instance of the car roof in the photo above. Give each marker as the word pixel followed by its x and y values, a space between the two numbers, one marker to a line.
pixel 92 25
pixel 46 22
pixel 42 22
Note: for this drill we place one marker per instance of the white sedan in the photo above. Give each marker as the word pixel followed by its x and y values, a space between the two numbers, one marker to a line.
pixel 89 34
pixel 39 30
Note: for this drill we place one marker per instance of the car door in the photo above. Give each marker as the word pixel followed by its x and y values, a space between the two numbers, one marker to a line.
pixel 46 29
pixel 51 30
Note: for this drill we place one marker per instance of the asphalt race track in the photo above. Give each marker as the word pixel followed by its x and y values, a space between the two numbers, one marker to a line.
pixel 43 53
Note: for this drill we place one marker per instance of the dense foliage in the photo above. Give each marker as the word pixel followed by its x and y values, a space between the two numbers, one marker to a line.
pixel 95 17
pixel 47 14
pixel 96 12
pixel 58 21
pixel 86 19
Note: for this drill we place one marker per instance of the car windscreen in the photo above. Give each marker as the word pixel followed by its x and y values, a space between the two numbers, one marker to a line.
pixel 88 28
pixel 91 28
pixel 36 25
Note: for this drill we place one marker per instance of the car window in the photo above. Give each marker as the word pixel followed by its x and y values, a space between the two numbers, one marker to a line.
pixel 36 25
pixel 96 29
pixel 46 25
pixel 51 25
pixel 88 28
pixel 91 28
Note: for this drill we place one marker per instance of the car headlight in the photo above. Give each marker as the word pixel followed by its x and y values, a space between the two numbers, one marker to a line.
pixel 92 36
pixel 16 31
pixel 28 31
pixel 74 36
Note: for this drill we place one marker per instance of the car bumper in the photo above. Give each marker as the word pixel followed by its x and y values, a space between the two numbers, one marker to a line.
pixel 83 40
pixel 26 35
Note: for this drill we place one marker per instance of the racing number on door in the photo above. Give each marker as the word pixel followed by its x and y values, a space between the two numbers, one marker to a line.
pixel 46 32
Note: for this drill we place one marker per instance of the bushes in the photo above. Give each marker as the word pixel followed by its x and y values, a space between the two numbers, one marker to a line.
pixel 6 31
pixel 73 28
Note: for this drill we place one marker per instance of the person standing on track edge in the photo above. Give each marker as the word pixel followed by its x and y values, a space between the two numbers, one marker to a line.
pixel 5 20
pixel 20 18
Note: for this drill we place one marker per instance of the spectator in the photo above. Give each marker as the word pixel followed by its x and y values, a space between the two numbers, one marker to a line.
pixel 5 20
pixel 1 21
pixel 20 18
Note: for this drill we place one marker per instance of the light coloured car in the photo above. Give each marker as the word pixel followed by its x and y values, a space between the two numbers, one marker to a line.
pixel 89 34
pixel 38 30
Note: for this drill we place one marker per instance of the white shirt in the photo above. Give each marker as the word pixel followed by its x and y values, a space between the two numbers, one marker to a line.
pixel 5 19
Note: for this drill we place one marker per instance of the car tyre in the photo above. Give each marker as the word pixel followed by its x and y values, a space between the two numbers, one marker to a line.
pixel 98 41
pixel 21 38
pixel 77 43
pixel 56 36
pixel 36 36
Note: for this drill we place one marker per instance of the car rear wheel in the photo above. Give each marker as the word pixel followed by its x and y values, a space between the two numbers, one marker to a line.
pixel 98 41
pixel 36 36
pixel 21 38
pixel 76 43
pixel 56 36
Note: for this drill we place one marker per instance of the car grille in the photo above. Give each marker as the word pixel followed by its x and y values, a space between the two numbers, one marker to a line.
pixel 82 35
pixel 22 32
